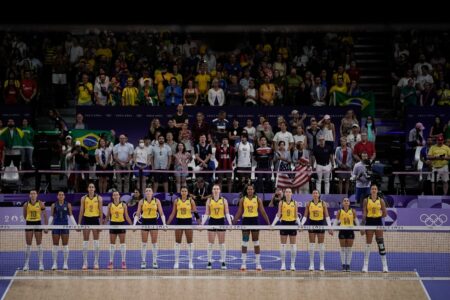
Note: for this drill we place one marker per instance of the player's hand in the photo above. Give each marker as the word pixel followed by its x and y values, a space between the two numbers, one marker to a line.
pixel 362 232
pixel 46 231
pixel 330 232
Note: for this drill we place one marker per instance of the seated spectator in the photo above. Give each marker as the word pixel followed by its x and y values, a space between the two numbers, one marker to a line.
pixel 276 198
pixel 201 191
pixel 364 146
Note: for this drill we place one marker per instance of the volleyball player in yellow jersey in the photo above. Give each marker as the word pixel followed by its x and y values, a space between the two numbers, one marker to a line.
pixel 249 205
pixel 117 214
pixel 183 208
pixel 148 209
pixel 32 211
pixel 374 209
pixel 216 211
pixel 316 211
pixel 287 213
pixel 346 216
pixel 91 213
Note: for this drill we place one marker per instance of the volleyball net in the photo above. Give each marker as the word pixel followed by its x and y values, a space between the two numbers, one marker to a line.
pixel 424 250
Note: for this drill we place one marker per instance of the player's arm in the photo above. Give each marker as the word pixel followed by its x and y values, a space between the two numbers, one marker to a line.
pixel 43 212
pixel 80 216
pixel 127 216
pixel 327 216
pixel 383 209
pixel 25 210
pixel 240 210
pixel 138 212
pixel 299 222
pixel 227 212
pixel 355 217
pixel 108 214
pixel 71 217
pixel 306 215
pixel 52 211
pixel 207 212
pixel 194 211
pixel 100 208
pixel 338 216
pixel 263 211
pixel 173 213
pixel 161 212
pixel 278 215
pixel 364 216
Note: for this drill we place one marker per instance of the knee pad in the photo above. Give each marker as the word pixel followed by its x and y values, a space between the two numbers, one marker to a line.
pixel 381 249
pixel 255 243
pixel 245 244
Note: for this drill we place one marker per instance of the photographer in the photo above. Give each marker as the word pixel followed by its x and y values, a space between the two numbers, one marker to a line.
pixel 362 173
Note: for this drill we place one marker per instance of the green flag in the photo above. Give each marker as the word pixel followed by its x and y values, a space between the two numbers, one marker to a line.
pixel 366 102
pixel 12 142
pixel 89 138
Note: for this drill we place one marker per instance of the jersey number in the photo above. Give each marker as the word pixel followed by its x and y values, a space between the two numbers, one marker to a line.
pixel 346 221
pixel 183 211
pixel 117 214
pixel 149 211
pixel 216 211
pixel 316 214
pixel 374 210
pixel 288 213
pixel 91 208
pixel 250 209
pixel 33 214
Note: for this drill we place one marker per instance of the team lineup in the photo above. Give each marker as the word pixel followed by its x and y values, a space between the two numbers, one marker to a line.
pixel 217 214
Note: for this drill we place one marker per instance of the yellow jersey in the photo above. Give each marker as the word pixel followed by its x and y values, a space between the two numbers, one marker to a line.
pixel 117 212
pixel 316 211
pixel 34 211
pixel 217 208
pixel 347 218
pixel 250 207
pixel 374 208
pixel 91 208
pixel 149 209
pixel 184 209
pixel 288 211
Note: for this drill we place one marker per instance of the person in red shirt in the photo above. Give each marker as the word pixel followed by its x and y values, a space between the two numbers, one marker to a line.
pixel 225 155
pixel 364 146
pixel 28 88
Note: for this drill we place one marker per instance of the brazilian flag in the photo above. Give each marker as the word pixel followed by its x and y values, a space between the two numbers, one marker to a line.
pixel 365 101
pixel 89 138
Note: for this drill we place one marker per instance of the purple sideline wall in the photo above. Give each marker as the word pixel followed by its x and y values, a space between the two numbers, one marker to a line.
pixel 135 121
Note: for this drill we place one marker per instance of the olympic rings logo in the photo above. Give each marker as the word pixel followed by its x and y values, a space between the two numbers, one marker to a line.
pixel 433 219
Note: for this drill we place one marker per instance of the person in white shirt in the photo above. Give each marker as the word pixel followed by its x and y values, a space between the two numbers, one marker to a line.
pixel 244 153
pixel 216 96
pixel 354 137
pixel 141 159
pixel 284 136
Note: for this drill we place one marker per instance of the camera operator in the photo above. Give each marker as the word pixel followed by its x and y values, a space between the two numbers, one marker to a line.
pixel 362 173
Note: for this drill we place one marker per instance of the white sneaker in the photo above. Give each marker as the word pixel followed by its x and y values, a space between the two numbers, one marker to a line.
pixel 54 267
pixel 259 268
pixel 243 267
pixel 143 265
pixel 365 268
pixel 292 267
pixel 96 266
pixel 283 267
pixel 155 265
pixel 322 267
pixel 385 269
pixel 191 266
pixel 26 267
pixel 175 266
pixel 41 267
pixel 85 266
pixel 311 267
pixel 65 267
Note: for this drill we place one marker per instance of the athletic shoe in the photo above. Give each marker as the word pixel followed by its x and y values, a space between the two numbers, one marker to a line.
pixel 385 269
pixel 311 267
pixel 292 267
pixel 258 268
pixel 243 267
pixel 322 268
pixel 283 267
pixel 96 266
pixel 143 265
pixel 65 267
pixel 365 268
pixel 344 268
pixel 41 267
pixel 26 267
pixel 124 266
pixel 224 266
pixel 209 265
pixel 54 267
pixel 85 267
pixel 175 266
pixel 347 269
pixel 110 265
pixel 155 265
pixel 191 266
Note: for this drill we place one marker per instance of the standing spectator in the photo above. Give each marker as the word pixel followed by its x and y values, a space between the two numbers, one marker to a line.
pixel 267 92
pixel 101 90
pixel 437 128
pixel 266 131
pixel 216 96
pixel 181 161
pixel 344 162
pixel 84 91
pixel 13 138
pixel 141 159
pixel 428 96
pixel 312 132
pixel 251 94
pixel 147 94
pixel 347 122
pixel 161 160
pixel 202 82
pixel 234 132
pixel 408 94
pixel 203 154
pixel 323 156
pixel 180 116
pixel 362 177
pixel 28 88
pixel 220 125
pixel 244 154
pixel 225 155
pixel 371 129
pixel 284 136
pixel 293 82
pixel 318 93
pixel 397 161
pixel 122 159
pixel 263 158
pixel 301 157
pixel 103 157
pixel 251 131
pixel 28 145
pixel 79 124
pixel 190 94
pixel 234 93
pixel 200 126
pixel 328 130
pixel 11 89
pixel 439 155
pixel 426 167
pixel 173 93
pixel 130 94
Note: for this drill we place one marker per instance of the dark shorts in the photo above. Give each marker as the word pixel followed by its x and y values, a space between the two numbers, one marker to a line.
pixel 346 235
pixel 219 222
pixel 60 231
pixel 187 221
pixel 116 231
pixel 374 222
pixel 91 221
pixel 318 223
pixel 250 221
pixel 34 223
pixel 161 177
pixel 149 221
pixel 288 232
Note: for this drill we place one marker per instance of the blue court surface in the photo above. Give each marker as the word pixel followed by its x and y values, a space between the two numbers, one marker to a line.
pixel 427 265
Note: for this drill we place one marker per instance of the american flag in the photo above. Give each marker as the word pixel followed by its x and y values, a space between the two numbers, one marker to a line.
pixel 302 175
